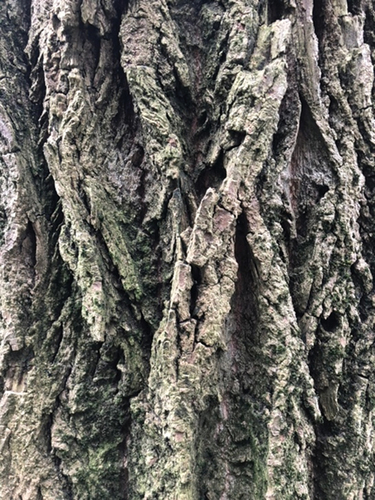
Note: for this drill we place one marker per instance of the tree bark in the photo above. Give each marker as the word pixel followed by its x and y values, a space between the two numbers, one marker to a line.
pixel 187 249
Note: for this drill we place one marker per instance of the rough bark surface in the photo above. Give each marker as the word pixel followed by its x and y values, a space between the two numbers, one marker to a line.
pixel 187 242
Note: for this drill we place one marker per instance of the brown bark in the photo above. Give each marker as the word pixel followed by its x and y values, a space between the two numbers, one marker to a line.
pixel 186 249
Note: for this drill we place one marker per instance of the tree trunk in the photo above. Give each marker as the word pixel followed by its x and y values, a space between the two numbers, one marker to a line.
pixel 187 230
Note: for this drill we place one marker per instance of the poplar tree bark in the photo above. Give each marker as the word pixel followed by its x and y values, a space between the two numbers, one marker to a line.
pixel 187 238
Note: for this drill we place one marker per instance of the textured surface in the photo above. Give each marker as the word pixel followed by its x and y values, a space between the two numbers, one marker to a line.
pixel 186 250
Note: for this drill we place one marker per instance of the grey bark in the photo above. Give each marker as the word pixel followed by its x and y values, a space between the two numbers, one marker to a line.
pixel 186 249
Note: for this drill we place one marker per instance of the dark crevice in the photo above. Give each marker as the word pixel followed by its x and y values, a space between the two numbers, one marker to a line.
pixel 126 107
pixel 56 23
pixel 3 224
pixel 93 357
pixel 67 482
pixel 275 10
pixel 194 292
pixel 107 371
pixel 26 11
pixel 365 307
pixel 222 52
pixel 122 7
pixel 289 114
pixel 58 341
pixel 321 191
pixel 211 177
pixel 191 103
pixel 369 28
pixel 56 219
pixel 119 358
pixel 208 454
pixel 182 93
pixel 325 430
pixel 318 19
pixel 84 198
pixel 60 287
pixel 331 323
pixel 286 223
pixel 370 182
pixel 45 432
pixel 237 138
pixel 310 172
pixel 355 7
pixel 92 45
pixel 244 306
pixel 147 337
pixel 29 245
pixel 37 91
pixel 124 452
pixel 125 113
pixel 137 159
pixel 179 348
pixel 335 110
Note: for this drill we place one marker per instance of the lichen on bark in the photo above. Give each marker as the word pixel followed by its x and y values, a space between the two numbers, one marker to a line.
pixel 186 249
